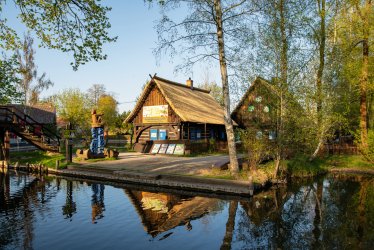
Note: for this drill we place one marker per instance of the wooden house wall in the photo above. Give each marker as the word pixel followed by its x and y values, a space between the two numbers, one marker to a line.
pixel 172 133
pixel 253 113
pixel 155 97
pixel 217 129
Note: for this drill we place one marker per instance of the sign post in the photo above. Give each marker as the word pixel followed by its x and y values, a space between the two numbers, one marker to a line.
pixel 68 144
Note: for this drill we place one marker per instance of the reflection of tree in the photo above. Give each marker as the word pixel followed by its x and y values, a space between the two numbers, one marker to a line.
pixel 230 226
pixel 319 214
pixel 19 207
pixel 70 208
pixel 97 202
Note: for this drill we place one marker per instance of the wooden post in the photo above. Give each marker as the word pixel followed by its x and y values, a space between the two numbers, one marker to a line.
pixel 2 136
pixel 57 164
pixel 68 146
pixel 7 147
pixel 188 131
pixel 181 135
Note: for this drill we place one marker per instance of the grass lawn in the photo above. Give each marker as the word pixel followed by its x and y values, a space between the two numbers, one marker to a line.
pixel 38 157
pixel 297 167
pixel 302 167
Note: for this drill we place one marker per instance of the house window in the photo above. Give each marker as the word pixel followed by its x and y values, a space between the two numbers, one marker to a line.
pixel 251 108
pixel 154 134
pixel 162 134
pixel 158 134
pixel 195 134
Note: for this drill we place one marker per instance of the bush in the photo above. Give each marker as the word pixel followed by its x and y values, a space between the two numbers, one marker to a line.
pixel 257 147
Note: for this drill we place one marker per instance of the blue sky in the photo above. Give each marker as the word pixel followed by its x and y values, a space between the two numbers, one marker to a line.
pixel 130 60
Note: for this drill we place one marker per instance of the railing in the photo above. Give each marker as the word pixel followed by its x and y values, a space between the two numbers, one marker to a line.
pixel 29 124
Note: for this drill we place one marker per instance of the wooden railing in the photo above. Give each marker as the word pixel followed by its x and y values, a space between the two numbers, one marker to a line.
pixel 21 124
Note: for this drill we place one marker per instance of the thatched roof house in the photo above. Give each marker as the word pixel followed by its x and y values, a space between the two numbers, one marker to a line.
pixel 168 111
pixel 189 103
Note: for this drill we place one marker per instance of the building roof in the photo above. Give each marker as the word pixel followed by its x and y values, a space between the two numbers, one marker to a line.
pixel 190 104
pixel 257 81
pixel 43 113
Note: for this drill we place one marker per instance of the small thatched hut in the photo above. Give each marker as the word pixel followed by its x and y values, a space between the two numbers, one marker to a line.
pixel 176 118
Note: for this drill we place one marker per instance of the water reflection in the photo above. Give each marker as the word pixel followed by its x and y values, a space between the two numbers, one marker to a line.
pixel 332 212
pixel 163 212
pixel 70 206
pixel 97 202
pixel 321 214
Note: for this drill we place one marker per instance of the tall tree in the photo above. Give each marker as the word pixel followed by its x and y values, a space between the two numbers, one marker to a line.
pixel 107 105
pixel 9 80
pixel 95 92
pixel 29 73
pixel 212 30
pixel 72 106
pixel 79 27
pixel 355 30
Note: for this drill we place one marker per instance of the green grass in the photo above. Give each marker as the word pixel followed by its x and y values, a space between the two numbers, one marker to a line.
pixel 300 166
pixel 38 157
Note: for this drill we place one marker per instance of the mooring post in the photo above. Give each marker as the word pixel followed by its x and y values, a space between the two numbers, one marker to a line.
pixel 57 164
pixel 7 147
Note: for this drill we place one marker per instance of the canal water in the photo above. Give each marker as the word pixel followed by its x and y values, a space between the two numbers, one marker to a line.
pixel 56 213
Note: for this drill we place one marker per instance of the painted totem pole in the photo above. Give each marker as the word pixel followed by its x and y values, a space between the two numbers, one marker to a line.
pixel 97 132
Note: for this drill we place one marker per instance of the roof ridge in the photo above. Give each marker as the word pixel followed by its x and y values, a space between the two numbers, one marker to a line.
pixel 180 84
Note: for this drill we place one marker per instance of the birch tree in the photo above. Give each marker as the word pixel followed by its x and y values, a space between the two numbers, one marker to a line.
pixel 31 84
pixel 212 31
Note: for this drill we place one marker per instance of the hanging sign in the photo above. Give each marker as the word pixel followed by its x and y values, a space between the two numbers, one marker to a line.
pixel 155 114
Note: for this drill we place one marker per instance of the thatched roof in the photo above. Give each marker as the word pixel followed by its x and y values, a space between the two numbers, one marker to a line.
pixel 190 104
pixel 257 81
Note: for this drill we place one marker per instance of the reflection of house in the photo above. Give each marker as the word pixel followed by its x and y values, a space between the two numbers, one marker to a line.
pixel 163 212
pixel 169 112
pixel 258 108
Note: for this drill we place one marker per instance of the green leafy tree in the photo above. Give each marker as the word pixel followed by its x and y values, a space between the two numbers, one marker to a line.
pixel 107 105
pixel 9 80
pixel 79 27
pixel 355 26
pixel 72 106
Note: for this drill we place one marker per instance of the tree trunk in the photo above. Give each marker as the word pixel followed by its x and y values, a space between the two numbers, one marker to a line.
pixel 364 78
pixel 319 98
pixel 322 44
pixel 283 86
pixel 284 56
pixel 234 166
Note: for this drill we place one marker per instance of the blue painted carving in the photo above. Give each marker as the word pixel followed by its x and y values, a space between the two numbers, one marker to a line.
pixel 97 143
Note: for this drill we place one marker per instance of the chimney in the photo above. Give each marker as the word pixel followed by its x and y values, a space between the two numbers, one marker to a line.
pixel 189 83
